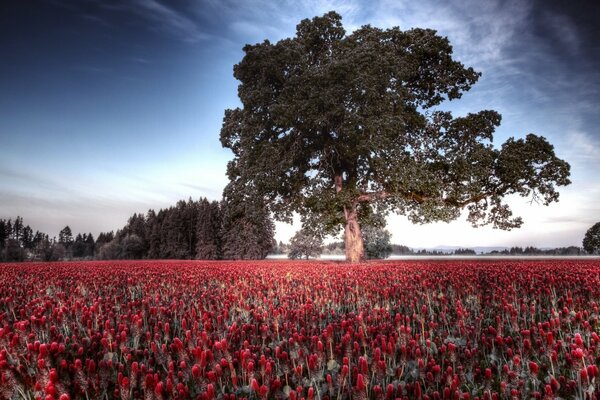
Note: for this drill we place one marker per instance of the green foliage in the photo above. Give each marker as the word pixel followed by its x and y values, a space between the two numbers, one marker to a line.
pixel 133 247
pixel 208 244
pixel 13 251
pixel 332 122
pixel 304 244
pixel 111 250
pixel 247 229
pixel 591 241
pixel 377 242
pixel 190 229
pixel 65 237
pixel 465 252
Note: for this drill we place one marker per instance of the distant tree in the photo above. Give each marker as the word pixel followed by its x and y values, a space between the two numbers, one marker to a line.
pixel 65 237
pixel 305 244
pixel 377 242
pixel 56 252
pixel 133 247
pixel 279 247
pixel 530 250
pixel 516 250
pixel 401 249
pixel 208 245
pixel 591 241
pixel 27 238
pixel 137 225
pixel 247 229
pixel 464 252
pixel 89 245
pixel 8 229
pixel 570 251
pixel 336 248
pixel 103 238
pixel 178 230
pixel 339 126
pixel 110 251
pixel 4 234
pixel 13 251
pixel 78 246
pixel 38 237
pixel 154 244
pixel 18 229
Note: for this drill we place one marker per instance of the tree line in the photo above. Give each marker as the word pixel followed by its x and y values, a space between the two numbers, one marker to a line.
pixel 191 229
pixel 379 246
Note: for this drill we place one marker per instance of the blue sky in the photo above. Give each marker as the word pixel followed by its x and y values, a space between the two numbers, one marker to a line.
pixel 113 107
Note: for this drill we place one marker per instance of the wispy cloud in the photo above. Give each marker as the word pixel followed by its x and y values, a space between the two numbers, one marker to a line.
pixel 480 31
pixel 166 17
pixel 206 191
pixel 23 178
pixel 170 19
pixel 583 147
pixel 49 214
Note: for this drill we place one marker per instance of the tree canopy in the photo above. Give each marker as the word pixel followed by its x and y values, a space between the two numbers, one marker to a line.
pixel 338 127
pixel 377 242
pixel 591 241
pixel 304 244
pixel 247 230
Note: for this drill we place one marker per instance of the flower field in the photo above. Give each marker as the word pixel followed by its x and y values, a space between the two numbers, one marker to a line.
pixel 300 330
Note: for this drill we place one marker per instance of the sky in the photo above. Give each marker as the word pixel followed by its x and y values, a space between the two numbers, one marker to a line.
pixel 113 107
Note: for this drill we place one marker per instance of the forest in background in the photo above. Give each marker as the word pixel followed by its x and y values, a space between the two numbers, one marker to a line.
pixel 201 229
pixel 191 229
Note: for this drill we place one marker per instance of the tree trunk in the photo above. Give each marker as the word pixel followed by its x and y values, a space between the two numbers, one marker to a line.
pixel 355 250
pixel 353 241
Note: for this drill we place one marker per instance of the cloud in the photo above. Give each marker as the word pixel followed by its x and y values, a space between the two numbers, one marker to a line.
pixel 582 148
pixel 480 31
pixel 170 19
pixel 166 17
pixel 210 192
pixel 12 177
pixel 49 214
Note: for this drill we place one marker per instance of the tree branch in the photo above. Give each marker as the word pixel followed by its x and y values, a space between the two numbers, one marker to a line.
pixel 372 196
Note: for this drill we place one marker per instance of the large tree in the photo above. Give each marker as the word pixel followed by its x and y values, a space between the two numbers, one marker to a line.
pixel 339 127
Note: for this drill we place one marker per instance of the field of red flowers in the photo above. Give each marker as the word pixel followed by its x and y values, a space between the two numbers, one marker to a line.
pixel 266 330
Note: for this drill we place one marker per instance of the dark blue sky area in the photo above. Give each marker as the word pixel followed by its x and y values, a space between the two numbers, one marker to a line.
pixel 112 107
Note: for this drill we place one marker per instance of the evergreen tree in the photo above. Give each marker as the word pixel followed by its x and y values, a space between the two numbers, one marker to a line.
pixel 137 225
pixel 18 229
pixel 208 245
pixel 9 229
pixel 4 234
pixel 103 238
pixel 89 246
pixel 247 229
pixel 27 238
pixel 65 237
pixel 78 246
pixel 13 251
pixel 154 251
